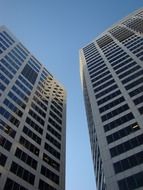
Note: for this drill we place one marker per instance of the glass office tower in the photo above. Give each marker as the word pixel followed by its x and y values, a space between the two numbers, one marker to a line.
pixel 32 121
pixel 111 69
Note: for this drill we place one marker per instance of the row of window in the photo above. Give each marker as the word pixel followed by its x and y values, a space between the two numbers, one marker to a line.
pixel 109 97
pixel 111 104
pixel 2 87
pixel 57 105
pixel 36 117
pixel 7 129
pixel 134 83
pixel 27 84
pixel 107 90
pixel 38 110
pixel 53 141
pixel 29 74
pixel 136 91
pixel 133 76
pixel 6 144
pixel 128 145
pixel 9 117
pixel 22 87
pixel 13 107
pixel 32 124
pixel 102 80
pixel 115 112
pixel 54 124
pixel 28 145
pixel 132 182
pixel 8 66
pixel 19 93
pixel 100 76
pixel 16 100
pixel 117 122
pixel 53 132
pixel 3 159
pixel 123 64
pixel 51 150
pixel 99 72
pixel 129 71
pixel 26 158
pixel 42 97
pixel 129 162
pixel 103 86
pixel 5 71
pixel 49 174
pixel 32 135
pixel 122 132
pixel 55 117
pixel 12 185
pixel 40 103
pixel 22 173
pixel 4 79
pixel 51 162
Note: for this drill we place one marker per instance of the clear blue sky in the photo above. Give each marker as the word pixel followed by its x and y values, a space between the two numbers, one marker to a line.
pixel 54 31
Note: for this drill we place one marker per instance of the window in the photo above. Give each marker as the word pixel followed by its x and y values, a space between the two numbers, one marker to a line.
pixel 51 162
pixel 130 144
pixel 38 110
pixel 53 141
pixel 6 72
pixel 131 182
pixel 3 159
pixel 53 123
pixel 56 111
pixel 49 174
pixel 122 132
pixel 10 117
pixel 118 122
pixel 55 117
pixel 21 86
pixel 115 112
pixel 12 185
pixel 129 162
pixel 27 84
pixel 97 89
pixel 44 186
pixel 32 148
pixel 54 132
pixel 34 125
pixel 26 158
pixel 36 117
pixel 134 83
pixel 29 74
pixel 5 143
pixel 4 79
pixel 13 108
pixel 22 173
pixel 51 150
pixel 16 100
pixel 109 89
pixel 19 93
pixel 7 129
pixel 40 103
pixel 111 104
pixel 32 135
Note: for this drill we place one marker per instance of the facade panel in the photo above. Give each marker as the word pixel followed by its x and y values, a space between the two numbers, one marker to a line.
pixel 111 69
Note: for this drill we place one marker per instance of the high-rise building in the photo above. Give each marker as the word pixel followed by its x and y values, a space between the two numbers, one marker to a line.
pixel 111 69
pixel 32 121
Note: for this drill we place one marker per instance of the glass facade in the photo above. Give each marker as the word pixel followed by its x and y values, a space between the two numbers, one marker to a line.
pixel 32 121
